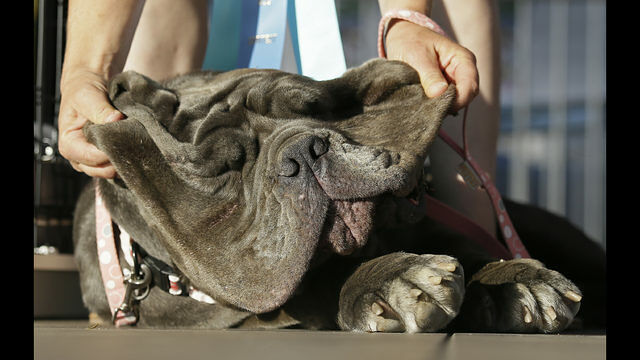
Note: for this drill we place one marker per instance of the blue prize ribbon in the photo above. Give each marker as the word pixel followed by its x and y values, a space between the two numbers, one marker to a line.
pixel 264 23
pixel 317 35
pixel 293 31
pixel 251 34
pixel 224 35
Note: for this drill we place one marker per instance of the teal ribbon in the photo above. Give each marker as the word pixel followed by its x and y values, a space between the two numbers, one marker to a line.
pixel 251 33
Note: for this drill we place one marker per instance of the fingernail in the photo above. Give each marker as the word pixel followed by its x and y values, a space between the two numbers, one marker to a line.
pixel 114 116
pixel 436 89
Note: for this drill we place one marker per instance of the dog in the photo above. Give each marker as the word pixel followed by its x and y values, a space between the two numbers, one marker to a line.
pixel 291 203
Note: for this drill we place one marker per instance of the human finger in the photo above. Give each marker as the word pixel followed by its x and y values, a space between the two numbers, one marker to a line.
pixel 73 146
pixel 106 171
pixel 84 98
pixel 92 102
pixel 413 44
pixel 433 81
pixel 462 71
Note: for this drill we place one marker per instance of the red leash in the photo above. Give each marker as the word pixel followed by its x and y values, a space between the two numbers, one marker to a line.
pixel 476 177
pixel 472 173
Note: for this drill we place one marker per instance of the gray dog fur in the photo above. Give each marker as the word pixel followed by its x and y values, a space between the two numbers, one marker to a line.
pixel 284 199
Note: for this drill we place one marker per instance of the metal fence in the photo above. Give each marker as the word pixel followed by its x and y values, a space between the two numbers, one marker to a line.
pixel 55 184
pixel 552 144
pixel 551 150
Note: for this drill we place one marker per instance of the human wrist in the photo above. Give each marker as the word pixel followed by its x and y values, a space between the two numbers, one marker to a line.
pixel 99 66
pixel 102 55
pixel 404 24
pixel 74 73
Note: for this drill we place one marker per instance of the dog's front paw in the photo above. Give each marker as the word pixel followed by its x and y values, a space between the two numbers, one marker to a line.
pixel 402 292
pixel 519 296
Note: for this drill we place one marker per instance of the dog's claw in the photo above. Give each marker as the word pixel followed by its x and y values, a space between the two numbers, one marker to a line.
pixel 376 309
pixel 415 293
pixel 435 280
pixel 551 313
pixel 573 296
pixel 527 315
pixel 373 326
pixel 451 267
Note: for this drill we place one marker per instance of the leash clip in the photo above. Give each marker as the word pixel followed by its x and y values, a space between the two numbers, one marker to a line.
pixel 471 173
pixel 469 176
pixel 137 288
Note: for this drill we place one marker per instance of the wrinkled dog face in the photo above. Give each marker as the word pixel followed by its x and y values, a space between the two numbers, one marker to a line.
pixel 244 175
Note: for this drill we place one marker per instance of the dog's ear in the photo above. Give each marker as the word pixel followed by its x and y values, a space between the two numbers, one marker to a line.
pixel 374 81
pixel 382 103
pixel 131 144
pixel 186 134
pixel 394 109
pixel 130 90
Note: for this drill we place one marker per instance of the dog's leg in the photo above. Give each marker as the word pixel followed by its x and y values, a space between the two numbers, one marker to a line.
pixel 96 320
pixel 402 292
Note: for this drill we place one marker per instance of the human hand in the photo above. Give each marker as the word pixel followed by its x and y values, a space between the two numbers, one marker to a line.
pixel 84 98
pixel 437 59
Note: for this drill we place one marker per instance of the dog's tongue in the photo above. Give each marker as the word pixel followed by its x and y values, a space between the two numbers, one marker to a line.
pixel 350 225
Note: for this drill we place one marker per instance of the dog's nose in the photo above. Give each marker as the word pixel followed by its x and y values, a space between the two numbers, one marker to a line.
pixel 318 147
pixel 306 150
pixel 289 167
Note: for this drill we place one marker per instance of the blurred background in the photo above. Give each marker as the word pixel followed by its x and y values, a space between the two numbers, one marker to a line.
pixel 552 147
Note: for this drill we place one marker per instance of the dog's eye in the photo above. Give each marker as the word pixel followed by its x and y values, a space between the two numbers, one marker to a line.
pixel 222 107
pixel 235 158
pixel 303 102
pixel 226 149
pixel 257 102
pixel 289 97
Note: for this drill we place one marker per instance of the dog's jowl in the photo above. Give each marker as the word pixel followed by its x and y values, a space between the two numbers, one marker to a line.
pixel 289 202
